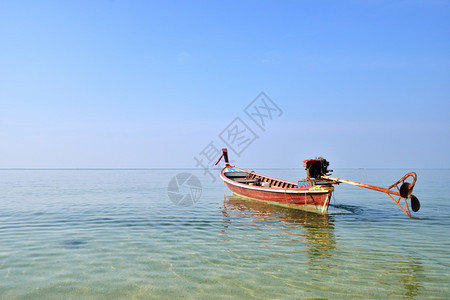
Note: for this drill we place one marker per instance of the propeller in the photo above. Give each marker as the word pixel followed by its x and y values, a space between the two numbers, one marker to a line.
pixel 406 192
pixel 415 204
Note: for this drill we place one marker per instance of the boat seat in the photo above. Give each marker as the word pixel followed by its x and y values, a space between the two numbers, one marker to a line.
pixel 250 181
pixel 243 180
pixel 239 179
pixel 236 174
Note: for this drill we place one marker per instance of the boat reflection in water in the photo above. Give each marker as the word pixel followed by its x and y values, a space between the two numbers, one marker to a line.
pixel 301 249
pixel 296 228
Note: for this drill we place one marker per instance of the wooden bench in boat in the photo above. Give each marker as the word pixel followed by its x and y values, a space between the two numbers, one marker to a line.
pixel 251 178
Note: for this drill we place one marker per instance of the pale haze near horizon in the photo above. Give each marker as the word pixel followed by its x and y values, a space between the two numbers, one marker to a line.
pixel 148 84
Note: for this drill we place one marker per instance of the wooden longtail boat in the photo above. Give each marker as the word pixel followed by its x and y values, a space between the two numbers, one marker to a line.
pixel 313 193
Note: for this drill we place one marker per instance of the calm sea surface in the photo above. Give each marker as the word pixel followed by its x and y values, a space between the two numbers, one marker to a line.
pixel 69 234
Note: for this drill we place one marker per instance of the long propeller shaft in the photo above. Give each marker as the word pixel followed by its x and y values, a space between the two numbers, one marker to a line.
pixel 403 192
pixel 364 185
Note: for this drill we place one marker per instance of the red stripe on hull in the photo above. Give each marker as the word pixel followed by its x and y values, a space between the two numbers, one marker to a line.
pixel 303 198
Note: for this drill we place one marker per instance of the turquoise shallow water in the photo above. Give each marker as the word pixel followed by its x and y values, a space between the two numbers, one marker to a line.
pixel 115 234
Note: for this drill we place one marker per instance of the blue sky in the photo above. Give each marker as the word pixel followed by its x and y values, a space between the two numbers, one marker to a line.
pixel 149 84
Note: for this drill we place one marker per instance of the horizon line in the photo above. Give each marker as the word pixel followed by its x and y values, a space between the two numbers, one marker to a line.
pixel 202 169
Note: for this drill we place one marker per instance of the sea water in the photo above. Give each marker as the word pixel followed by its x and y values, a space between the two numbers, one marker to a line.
pixel 70 234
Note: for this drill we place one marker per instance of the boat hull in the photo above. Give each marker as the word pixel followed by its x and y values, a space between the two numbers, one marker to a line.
pixel 313 199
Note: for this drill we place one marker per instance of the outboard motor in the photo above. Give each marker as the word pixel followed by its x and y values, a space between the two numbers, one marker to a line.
pixel 316 168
